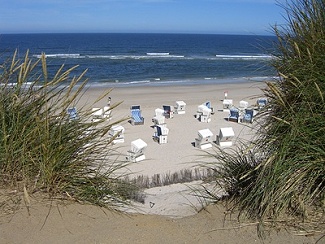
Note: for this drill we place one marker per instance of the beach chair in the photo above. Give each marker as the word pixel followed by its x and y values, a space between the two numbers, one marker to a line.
pixel 136 118
pixel 261 103
pixel 224 139
pixel 96 114
pixel 161 133
pixel 168 111
pixel 249 115
pixel 243 104
pixel 117 134
pixel 136 153
pixel 204 139
pixel 234 115
pixel 227 104
pixel 180 107
pixel 203 113
pixel 72 113
pixel 159 118
pixel 206 115
pixel 208 104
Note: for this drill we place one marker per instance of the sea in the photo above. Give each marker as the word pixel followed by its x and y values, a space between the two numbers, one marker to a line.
pixel 133 59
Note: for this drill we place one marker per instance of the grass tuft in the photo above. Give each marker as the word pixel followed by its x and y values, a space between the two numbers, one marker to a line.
pixel 42 150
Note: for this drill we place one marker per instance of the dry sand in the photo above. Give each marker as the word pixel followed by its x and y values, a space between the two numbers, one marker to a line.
pixel 152 223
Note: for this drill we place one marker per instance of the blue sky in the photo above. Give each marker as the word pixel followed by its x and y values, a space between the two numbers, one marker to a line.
pixel 151 16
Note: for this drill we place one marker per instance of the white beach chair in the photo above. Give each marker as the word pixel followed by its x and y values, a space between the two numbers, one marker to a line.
pixel 97 114
pixel 159 118
pixel 136 153
pixel 224 139
pixel 180 107
pixel 204 139
pixel 117 134
pixel 227 104
pixel 203 113
pixel 243 105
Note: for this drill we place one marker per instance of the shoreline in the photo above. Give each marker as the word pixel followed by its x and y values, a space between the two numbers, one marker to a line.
pixel 157 82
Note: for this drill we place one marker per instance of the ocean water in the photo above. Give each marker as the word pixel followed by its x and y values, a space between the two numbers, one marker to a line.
pixel 150 59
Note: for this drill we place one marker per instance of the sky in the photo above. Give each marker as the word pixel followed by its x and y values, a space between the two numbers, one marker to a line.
pixel 141 16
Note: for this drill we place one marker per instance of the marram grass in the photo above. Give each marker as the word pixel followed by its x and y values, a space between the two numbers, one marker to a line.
pixel 41 150
pixel 280 175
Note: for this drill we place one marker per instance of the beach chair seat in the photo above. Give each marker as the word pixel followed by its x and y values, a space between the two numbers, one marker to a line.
pixel 226 134
pixel 180 107
pixel 161 133
pixel 234 115
pixel 168 111
pixel 72 113
pixel 136 153
pixel 136 117
pixel 117 134
pixel 204 139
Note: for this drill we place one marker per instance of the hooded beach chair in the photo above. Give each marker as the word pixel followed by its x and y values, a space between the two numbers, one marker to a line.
pixel 96 114
pixel 161 133
pixel 159 118
pixel 204 139
pixel 227 104
pixel 72 113
pixel 168 111
pixel 208 104
pixel 117 134
pixel 136 117
pixel 180 107
pixel 224 139
pixel 261 102
pixel 248 115
pixel 243 105
pixel 203 113
pixel 234 115
pixel 136 153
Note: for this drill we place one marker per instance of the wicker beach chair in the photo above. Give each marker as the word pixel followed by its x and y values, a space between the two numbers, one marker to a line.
pixel 136 117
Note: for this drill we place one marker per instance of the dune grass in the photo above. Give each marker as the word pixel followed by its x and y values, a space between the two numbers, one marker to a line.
pixel 280 176
pixel 42 150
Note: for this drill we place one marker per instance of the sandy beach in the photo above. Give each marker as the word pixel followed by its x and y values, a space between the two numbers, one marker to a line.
pixel 170 214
